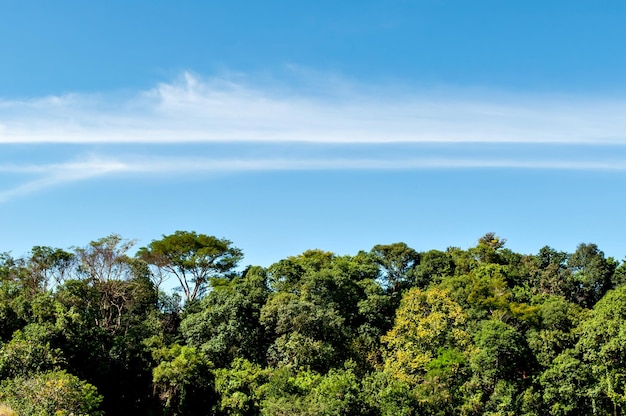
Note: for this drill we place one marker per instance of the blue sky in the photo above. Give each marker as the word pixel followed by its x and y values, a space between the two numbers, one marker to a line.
pixel 285 126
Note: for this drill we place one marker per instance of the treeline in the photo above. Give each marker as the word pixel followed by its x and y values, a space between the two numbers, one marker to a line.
pixel 390 331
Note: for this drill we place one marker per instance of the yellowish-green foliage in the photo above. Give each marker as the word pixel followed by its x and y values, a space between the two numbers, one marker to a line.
pixel 7 411
pixel 51 393
pixel 426 323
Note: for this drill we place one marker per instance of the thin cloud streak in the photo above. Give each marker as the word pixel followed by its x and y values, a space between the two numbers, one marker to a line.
pixel 216 110
pixel 54 175
pixel 184 165
pixel 57 174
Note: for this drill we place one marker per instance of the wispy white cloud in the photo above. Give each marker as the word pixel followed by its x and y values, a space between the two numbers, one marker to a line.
pixel 52 175
pixel 55 174
pixel 217 110
pixel 199 165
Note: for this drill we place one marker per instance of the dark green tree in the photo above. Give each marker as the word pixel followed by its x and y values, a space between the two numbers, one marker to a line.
pixel 591 274
pixel 227 325
pixel 602 345
pixel 434 266
pixel 502 368
pixel 397 264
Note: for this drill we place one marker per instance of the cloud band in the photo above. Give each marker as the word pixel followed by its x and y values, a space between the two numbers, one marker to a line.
pixel 216 110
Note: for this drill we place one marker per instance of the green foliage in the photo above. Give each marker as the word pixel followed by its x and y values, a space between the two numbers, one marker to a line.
pixel 182 378
pixel 440 392
pixel 489 291
pixel 287 392
pixel 101 326
pixel 478 331
pixel 227 325
pixel 502 353
pixel 29 352
pixel 193 258
pixel 489 249
pixel 377 312
pixel 548 273
pixel 337 393
pixel 426 322
pixel 434 266
pixel 501 366
pixel 49 266
pixel 51 393
pixel 397 263
pixel 305 333
pixel 603 346
pixel 591 274
pixel 315 314
pixel 555 334
pixel 567 386
pixel 386 395
pixel 241 387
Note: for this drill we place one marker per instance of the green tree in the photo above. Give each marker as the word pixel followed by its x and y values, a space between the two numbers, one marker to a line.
pixel 307 392
pixel 434 266
pixel 603 347
pixel 49 266
pixel 482 293
pixel 183 380
pixel 549 274
pixel 397 264
pixel 591 274
pixel 567 386
pixel 51 393
pixel 427 323
pixel 13 295
pixel 502 352
pixel 377 311
pixel 386 395
pixel 227 325
pixel 489 249
pixel 316 312
pixel 193 258
pixel 29 352
pixel 288 392
pixel 338 394
pixel 555 333
pixel 241 387
pixel 101 326
pixel 501 365
pixel 305 333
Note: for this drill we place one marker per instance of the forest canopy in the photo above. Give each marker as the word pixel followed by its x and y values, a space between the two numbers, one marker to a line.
pixel 388 331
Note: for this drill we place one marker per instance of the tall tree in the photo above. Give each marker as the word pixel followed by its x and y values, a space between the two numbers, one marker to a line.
pixel 548 272
pixel 49 266
pixel 104 259
pixel 397 263
pixel 591 274
pixel 193 258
